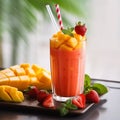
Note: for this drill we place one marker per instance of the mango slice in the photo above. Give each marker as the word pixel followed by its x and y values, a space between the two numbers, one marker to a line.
pixel 14 81
pixel 4 95
pixel 23 75
pixel 24 82
pixel 30 72
pixel 10 94
pixel 4 81
pixel 8 72
pixel 44 79
pixel 2 75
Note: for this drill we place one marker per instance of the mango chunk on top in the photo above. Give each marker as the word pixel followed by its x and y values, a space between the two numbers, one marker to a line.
pixel 65 47
pixel 66 42
pixel 72 42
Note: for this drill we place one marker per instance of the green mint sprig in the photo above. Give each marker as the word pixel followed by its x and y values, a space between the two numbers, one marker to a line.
pixel 68 31
pixel 66 107
pixel 88 85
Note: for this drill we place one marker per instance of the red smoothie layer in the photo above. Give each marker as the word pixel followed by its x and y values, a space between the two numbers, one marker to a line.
pixel 67 69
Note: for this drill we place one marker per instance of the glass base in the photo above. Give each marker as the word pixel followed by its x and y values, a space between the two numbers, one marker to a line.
pixel 61 99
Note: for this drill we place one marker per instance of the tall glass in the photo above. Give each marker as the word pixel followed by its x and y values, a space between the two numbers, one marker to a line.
pixel 67 66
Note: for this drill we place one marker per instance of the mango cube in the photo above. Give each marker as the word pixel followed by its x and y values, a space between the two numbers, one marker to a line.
pixel 65 47
pixel 72 42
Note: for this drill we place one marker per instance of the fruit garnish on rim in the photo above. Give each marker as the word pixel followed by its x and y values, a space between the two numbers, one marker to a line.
pixel 80 28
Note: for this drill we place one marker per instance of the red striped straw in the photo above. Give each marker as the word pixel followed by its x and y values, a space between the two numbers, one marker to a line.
pixel 59 16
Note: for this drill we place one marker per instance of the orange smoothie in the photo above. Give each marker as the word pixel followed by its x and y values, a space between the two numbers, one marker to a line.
pixel 67 61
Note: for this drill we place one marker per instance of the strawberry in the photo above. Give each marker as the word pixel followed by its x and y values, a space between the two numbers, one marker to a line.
pixel 80 29
pixel 92 96
pixel 48 101
pixel 79 101
pixel 33 92
pixel 42 95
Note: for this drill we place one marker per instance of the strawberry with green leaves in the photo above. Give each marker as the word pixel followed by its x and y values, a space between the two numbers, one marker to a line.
pixel 80 29
pixel 98 87
pixel 32 92
pixel 93 91
pixel 92 96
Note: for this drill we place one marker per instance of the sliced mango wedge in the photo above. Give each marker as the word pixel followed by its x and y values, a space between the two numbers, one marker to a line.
pixel 4 95
pixel 10 94
pixel 23 75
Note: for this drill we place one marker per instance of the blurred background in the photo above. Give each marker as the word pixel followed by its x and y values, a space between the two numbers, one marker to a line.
pixel 25 29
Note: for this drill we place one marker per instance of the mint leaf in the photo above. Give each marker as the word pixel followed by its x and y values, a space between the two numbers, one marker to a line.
pixel 70 106
pixel 65 107
pixel 100 88
pixel 71 29
pixel 63 111
pixel 68 31
pixel 87 83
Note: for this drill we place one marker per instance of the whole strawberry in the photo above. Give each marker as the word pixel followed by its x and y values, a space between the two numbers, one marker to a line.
pixel 92 96
pixel 80 29
pixel 33 92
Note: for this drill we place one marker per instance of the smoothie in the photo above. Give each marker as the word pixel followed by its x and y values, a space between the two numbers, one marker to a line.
pixel 67 60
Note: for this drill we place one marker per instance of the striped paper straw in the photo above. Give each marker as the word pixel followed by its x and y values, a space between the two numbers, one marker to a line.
pixel 59 16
